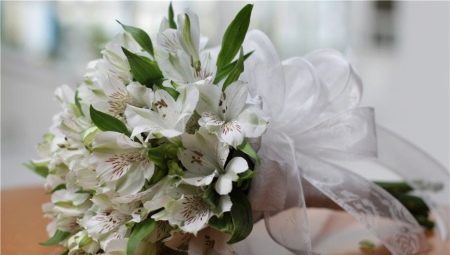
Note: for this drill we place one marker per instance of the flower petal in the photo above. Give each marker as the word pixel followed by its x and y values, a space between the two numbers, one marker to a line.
pixel 224 184
pixel 252 122
pixel 237 165
pixel 232 133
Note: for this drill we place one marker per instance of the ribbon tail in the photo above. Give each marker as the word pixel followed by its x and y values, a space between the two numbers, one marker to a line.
pixel 369 204
pixel 292 229
pixel 428 177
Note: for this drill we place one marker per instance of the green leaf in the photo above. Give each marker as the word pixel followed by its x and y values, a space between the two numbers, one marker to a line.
pixel 173 92
pixel 78 104
pixel 248 150
pixel 106 122
pixel 212 198
pixel 140 36
pixel 159 174
pixel 187 39
pixel 241 214
pixel 227 69
pixel 234 37
pixel 60 186
pixel 58 237
pixel 144 70
pixel 172 23
pixel 174 168
pixel 38 168
pixel 140 231
pixel 236 71
pixel 223 224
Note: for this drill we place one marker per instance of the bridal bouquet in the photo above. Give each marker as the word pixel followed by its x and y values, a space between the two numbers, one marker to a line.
pixel 170 147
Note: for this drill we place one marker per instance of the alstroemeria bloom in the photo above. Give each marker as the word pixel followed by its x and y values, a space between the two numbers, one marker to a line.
pixel 190 212
pixel 122 162
pixel 204 159
pixel 228 113
pixel 110 95
pixel 168 117
pixel 105 226
pixel 179 52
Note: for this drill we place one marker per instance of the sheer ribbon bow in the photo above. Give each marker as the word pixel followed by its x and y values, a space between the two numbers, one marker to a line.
pixel 315 119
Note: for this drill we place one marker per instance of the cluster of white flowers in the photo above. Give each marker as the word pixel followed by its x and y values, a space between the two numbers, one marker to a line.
pixel 152 145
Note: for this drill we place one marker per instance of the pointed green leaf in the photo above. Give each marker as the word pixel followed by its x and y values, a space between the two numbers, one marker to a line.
pixel 106 122
pixel 234 37
pixel 235 72
pixel 57 238
pixel 248 150
pixel 241 214
pixel 172 23
pixel 173 92
pixel 223 224
pixel 227 69
pixel 144 70
pixel 60 186
pixel 140 36
pixel 38 168
pixel 188 42
pixel 78 104
pixel 140 231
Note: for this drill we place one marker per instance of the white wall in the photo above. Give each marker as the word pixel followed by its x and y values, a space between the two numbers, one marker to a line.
pixel 408 85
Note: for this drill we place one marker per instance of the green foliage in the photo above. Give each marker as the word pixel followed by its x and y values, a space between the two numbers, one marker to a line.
pixel 236 71
pixel 106 122
pixel 57 238
pixel 241 214
pixel 238 222
pixel 144 70
pixel 234 37
pixel 248 150
pixel 140 36
pixel 139 232
pixel 171 17
pixel 227 69
pixel 38 168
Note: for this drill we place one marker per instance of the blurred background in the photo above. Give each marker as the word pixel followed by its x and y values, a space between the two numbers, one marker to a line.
pixel 401 50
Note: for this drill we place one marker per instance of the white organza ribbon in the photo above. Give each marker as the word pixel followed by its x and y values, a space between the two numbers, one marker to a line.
pixel 312 104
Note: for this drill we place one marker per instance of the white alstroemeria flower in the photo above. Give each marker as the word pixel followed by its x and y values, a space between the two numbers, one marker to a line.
pixel 111 95
pixel 191 213
pixel 121 163
pixel 168 117
pixel 204 159
pixel 82 243
pixel 105 225
pixel 179 52
pixel 114 60
pixel 70 202
pixel 228 114
pixel 207 241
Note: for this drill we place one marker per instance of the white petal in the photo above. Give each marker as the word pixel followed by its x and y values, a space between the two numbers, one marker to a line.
pixel 224 184
pixel 235 96
pixel 237 165
pixel 209 98
pixel 252 122
pixel 225 203
pixel 196 162
pixel 210 121
pixel 114 141
pixel 198 180
pixel 141 95
pixel 232 133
